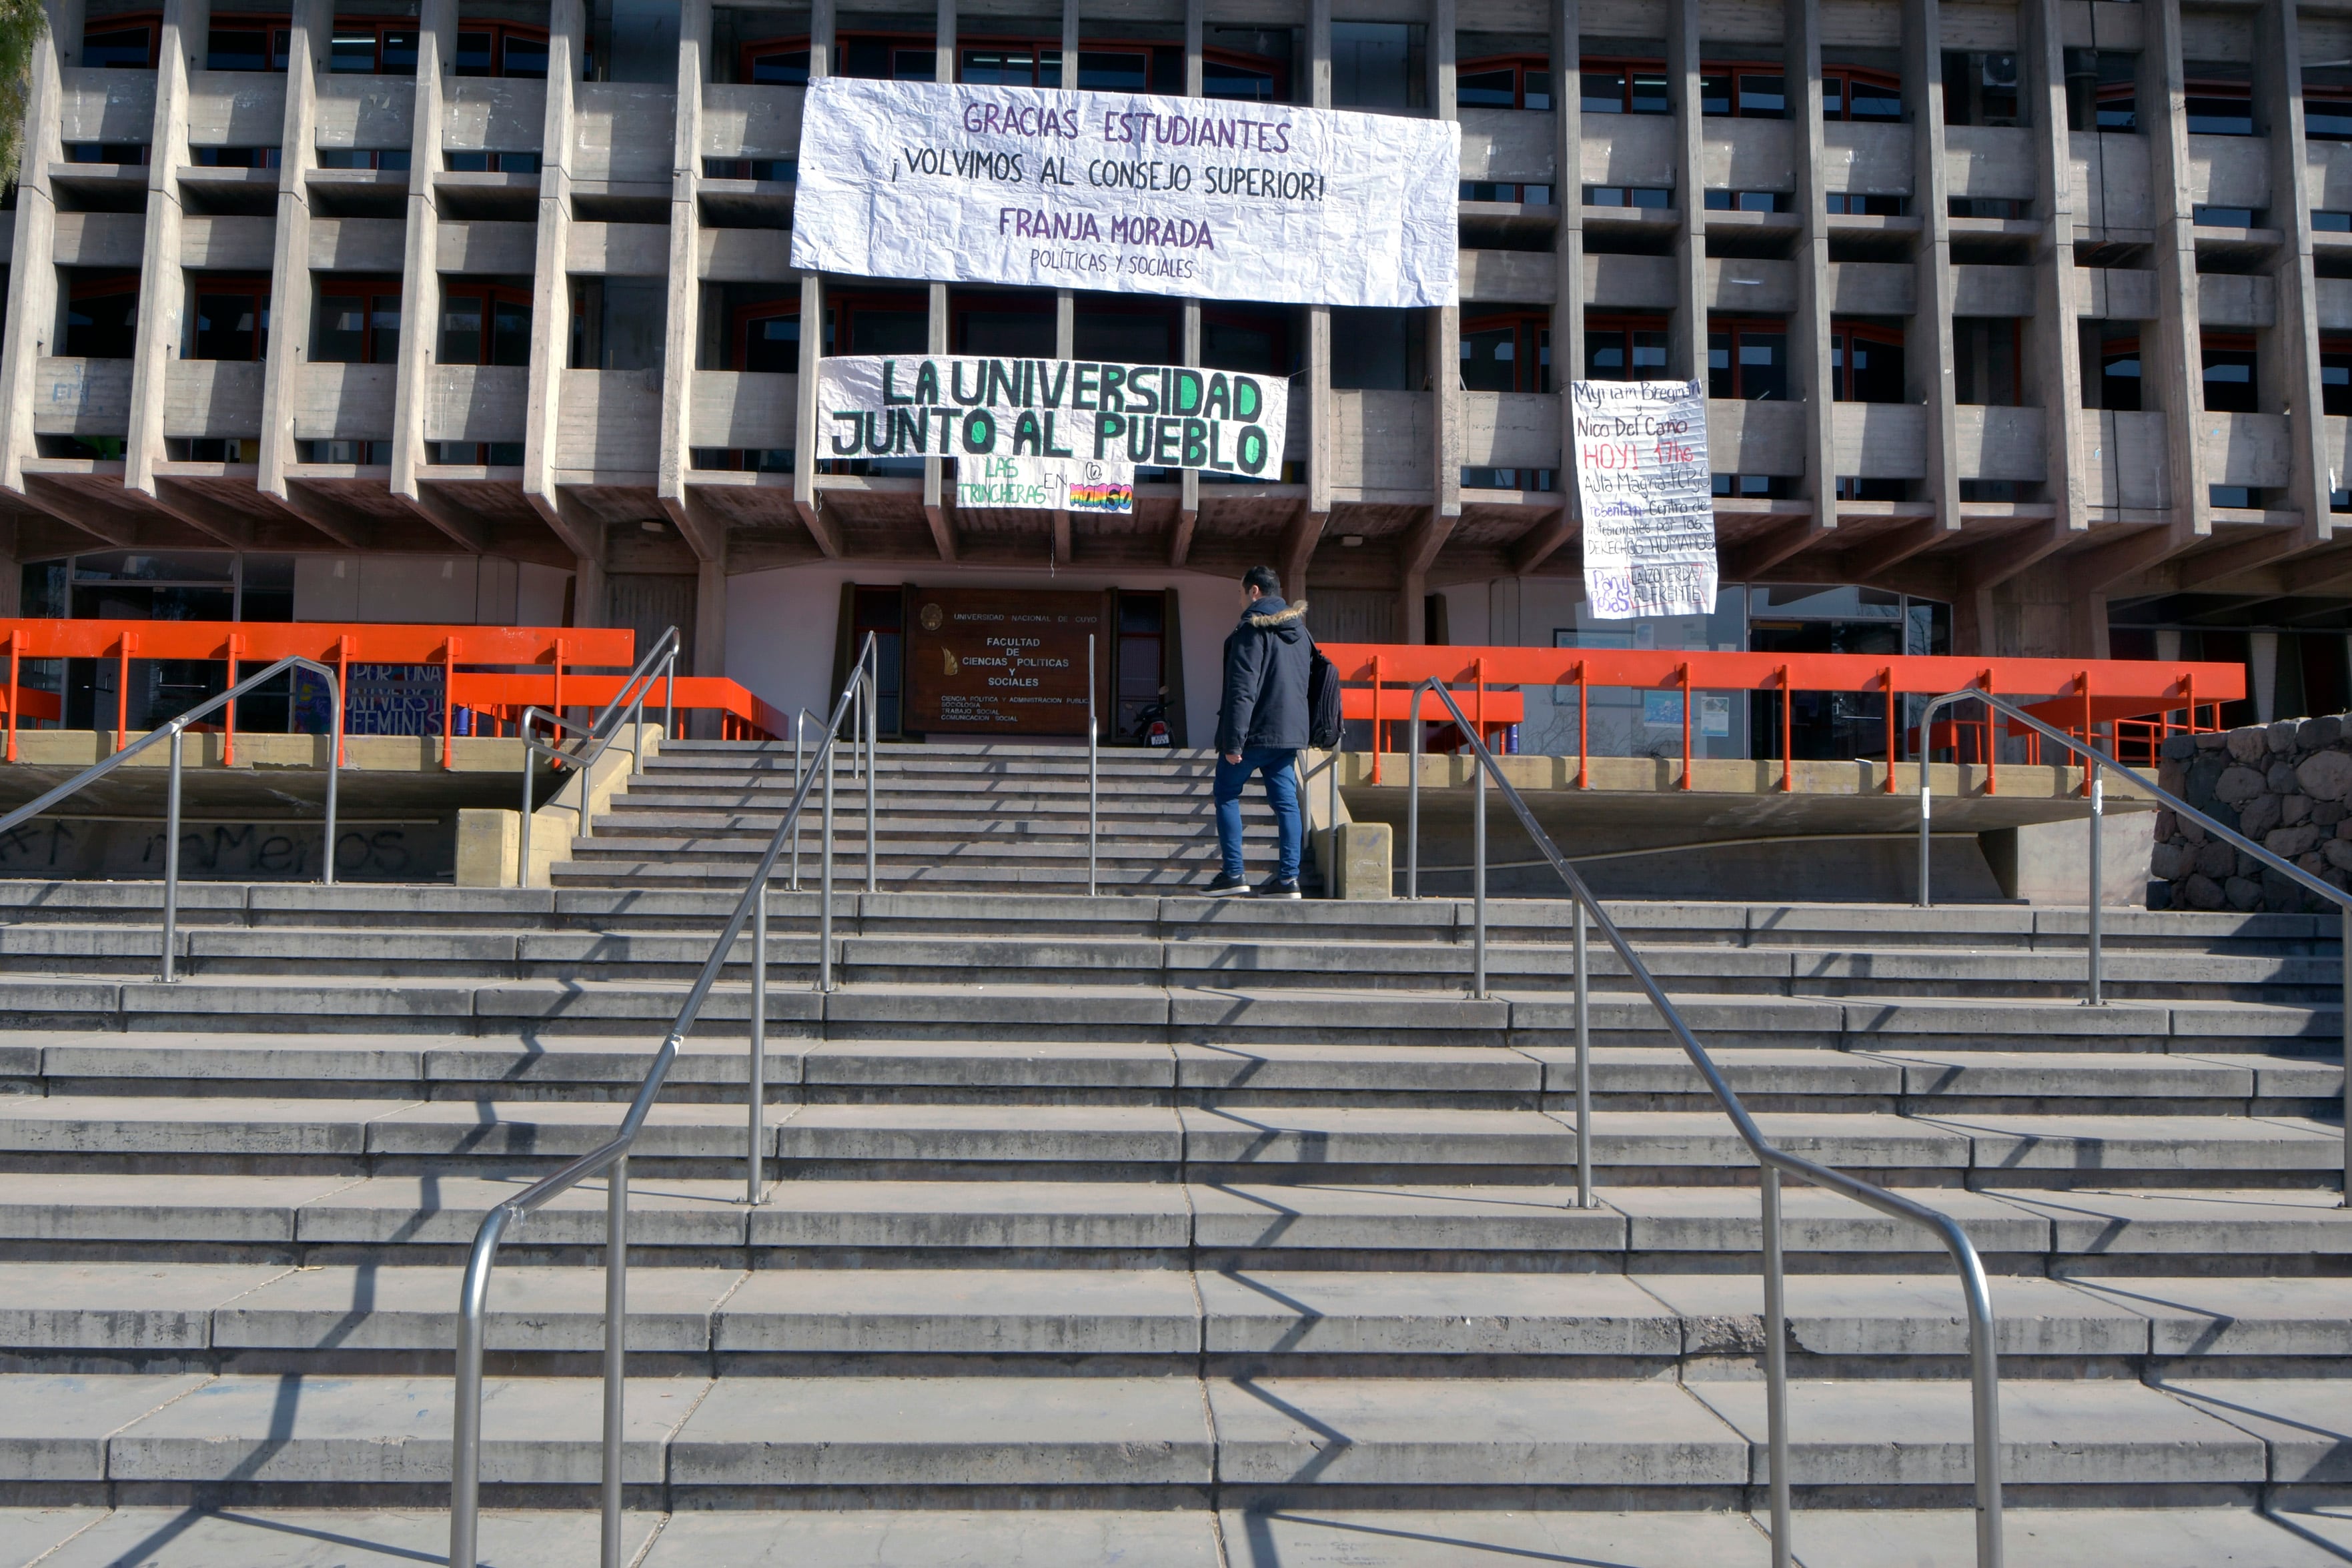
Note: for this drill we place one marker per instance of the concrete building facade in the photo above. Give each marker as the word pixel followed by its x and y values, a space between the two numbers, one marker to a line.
pixel 2028 312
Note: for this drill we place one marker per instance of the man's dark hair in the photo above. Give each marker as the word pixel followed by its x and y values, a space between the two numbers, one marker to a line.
pixel 1264 580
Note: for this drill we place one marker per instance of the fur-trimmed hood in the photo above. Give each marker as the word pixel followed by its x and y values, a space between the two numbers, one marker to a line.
pixel 1265 622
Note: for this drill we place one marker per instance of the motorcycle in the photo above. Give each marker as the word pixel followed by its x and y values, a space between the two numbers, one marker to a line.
pixel 1151 724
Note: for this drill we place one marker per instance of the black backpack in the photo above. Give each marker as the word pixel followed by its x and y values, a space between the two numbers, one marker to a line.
pixel 1322 703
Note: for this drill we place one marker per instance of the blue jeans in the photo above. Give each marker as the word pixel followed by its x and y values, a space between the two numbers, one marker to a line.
pixel 1276 767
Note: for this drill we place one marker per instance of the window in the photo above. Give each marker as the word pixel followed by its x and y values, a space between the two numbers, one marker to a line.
pixel 1504 82
pixel 1657 197
pixel 485 324
pixel 2117 369
pixel 1135 332
pixel 234 156
pixel 1010 65
pixel 1141 671
pixel 1141 67
pixel 2226 217
pixel 2003 208
pixel 1851 92
pixel 1852 205
pixel 1987 355
pixel 368 47
pixel 881 322
pixel 491 163
pixel 2327 112
pixel 617 323
pixel 2101 91
pixel 889 60
pixel 1743 91
pixel 1003 325
pixel 1865 362
pixel 102 318
pixel 120 44
pixel 2336 375
pixel 776 63
pixel 130 153
pixel 231 319
pixel 1509 352
pixel 1625 348
pixel 1625 87
pixel 247 43
pixel 358 323
pixel 2230 385
pixel 776 170
pixel 1746 360
pixel 1378 65
pixel 362 158
pixel 1255 339
pixel 1755 486
pixel 767 338
pixel 504 49
pixel 1981 88
pixel 1503 191
pixel 1749 201
pixel 363 454
pixel 2221 98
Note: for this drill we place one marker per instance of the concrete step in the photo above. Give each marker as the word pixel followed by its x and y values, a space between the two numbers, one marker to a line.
pixel 78 1214
pixel 1699 1321
pixel 694 1437
pixel 2310 1536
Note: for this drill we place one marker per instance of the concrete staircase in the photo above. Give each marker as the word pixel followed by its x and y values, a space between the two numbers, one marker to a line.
pixel 957 817
pixel 1154 1230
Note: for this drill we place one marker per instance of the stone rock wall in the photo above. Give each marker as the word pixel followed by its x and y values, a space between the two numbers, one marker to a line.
pixel 2287 786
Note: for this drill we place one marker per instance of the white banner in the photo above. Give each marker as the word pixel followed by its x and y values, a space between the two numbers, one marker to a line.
pixel 1206 198
pixel 1649 504
pixel 1045 483
pixel 1161 416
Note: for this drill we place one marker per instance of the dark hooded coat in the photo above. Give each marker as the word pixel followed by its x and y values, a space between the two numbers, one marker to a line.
pixel 1266 659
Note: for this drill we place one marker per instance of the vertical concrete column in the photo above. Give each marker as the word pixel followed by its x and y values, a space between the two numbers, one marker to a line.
pixel 420 286
pixel 710 628
pixel 1298 545
pixel 550 310
pixel 682 325
pixel 1444 323
pixel 1928 334
pixel 804 431
pixel 1686 336
pixel 935 509
pixel 1808 329
pixel 2292 369
pixel 588 587
pixel 2056 339
pixel 1568 271
pixel 32 263
pixel 2174 374
pixel 1188 500
pixel 162 281
pixel 292 296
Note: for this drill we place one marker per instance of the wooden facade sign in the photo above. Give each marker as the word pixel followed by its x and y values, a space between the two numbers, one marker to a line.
pixel 1000 661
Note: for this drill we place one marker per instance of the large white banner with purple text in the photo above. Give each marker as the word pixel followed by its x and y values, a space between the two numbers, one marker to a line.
pixel 1649 499
pixel 1206 198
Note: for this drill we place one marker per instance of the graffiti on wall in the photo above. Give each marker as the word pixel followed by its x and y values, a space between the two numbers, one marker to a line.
pixel 417 851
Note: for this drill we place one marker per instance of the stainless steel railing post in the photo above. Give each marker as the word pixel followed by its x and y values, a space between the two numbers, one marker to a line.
pixel 2092 904
pixel 1093 822
pixel 669 694
pixel 1927 808
pixel 758 1075
pixel 873 817
pixel 172 858
pixel 616 1325
pixel 334 772
pixel 2343 957
pixel 1330 815
pixel 1412 796
pixel 1478 894
pixel 466 1438
pixel 1776 1367
pixel 1583 1065
pixel 824 883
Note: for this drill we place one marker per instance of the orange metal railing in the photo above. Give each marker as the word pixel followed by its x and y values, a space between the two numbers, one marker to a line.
pixel 2079 695
pixel 487 671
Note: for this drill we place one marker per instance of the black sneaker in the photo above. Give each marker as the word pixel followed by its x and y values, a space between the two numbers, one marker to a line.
pixel 1276 887
pixel 1226 886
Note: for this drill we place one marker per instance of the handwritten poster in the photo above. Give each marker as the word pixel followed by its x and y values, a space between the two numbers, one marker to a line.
pixel 1649 507
pixel 1165 417
pixel 1210 199
pixel 1047 484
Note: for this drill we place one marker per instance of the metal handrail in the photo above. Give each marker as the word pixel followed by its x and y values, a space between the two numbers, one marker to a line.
pixel 1984 1367
pixel 473 1302
pixel 1091 816
pixel 598 738
pixel 2097 760
pixel 172 730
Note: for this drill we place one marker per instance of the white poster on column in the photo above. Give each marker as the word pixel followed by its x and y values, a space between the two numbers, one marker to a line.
pixel 1205 198
pixel 1649 503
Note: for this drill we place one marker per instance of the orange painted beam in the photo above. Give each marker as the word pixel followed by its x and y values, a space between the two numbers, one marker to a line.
pixel 708 693
pixel 2149 685
pixel 1356 702
pixel 267 641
